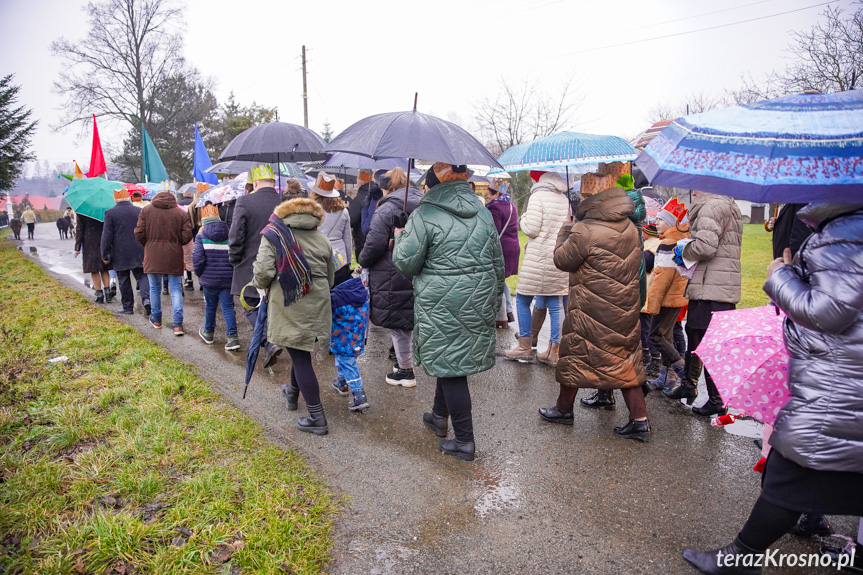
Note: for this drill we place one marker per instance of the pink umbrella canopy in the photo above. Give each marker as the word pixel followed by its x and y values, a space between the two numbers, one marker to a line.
pixel 652 206
pixel 744 351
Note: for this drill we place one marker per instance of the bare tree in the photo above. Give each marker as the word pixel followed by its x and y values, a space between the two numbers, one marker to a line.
pixel 695 103
pixel 131 47
pixel 519 114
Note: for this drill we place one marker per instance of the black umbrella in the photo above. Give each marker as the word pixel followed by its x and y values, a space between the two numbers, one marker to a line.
pixel 412 135
pixel 276 142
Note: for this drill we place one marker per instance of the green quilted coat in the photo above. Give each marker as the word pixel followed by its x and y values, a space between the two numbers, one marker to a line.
pixel 637 217
pixel 451 249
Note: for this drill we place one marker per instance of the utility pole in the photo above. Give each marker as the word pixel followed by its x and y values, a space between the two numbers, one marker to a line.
pixel 305 93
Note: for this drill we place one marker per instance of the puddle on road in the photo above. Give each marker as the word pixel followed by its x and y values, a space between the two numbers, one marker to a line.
pixel 389 557
pixel 745 428
pixel 496 487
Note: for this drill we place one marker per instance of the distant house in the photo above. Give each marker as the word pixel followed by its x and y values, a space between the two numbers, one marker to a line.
pixel 38 202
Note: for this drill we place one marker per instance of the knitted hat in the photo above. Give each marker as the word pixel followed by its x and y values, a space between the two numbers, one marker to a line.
pixel 262 172
pixel 365 176
pixel 121 194
pixel 324 186
pixel 673 213
pixel 210 213
pixel 650 230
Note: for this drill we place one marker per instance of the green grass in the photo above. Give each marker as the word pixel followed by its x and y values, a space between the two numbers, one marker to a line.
pixel 122 457
pixel 757 253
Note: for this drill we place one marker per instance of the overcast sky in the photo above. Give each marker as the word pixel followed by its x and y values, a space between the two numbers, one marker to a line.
pixel 368 57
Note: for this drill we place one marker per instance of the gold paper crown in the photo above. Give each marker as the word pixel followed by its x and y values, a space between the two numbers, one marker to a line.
pixel 210 211
pixel 262 172
pixel 202 187
pixel 325 182
pixel 121 194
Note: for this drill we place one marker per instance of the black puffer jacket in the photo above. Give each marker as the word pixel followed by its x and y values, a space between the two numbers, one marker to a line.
pixel 355 210
pixel 821 426
pixel 392 293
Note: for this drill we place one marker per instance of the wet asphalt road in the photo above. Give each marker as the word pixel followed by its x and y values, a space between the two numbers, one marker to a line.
pixel 538 497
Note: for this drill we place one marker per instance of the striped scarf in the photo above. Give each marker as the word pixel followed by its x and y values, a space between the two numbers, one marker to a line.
pixel 292 269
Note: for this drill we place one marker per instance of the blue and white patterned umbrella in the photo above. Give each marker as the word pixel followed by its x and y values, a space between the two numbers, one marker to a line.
pixel 795 149
pixel 565 149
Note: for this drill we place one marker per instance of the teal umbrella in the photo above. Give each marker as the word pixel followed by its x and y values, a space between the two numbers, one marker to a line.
pixel 92 196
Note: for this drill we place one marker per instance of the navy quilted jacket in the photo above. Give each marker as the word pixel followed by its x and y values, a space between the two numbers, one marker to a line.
pixel 821 293
pixel 210 257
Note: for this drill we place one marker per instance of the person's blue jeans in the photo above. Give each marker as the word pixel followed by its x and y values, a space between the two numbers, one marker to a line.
pixel 213 298
pixel 554 304
pixel 175 286
pixel 349 371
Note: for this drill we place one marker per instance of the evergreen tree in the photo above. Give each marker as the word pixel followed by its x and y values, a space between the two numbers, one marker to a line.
pixel 16 129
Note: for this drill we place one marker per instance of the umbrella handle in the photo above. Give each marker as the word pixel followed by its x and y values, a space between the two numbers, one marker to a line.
pixel 246 306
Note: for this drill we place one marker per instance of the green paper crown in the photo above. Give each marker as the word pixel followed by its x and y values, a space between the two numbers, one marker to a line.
pixel 262 172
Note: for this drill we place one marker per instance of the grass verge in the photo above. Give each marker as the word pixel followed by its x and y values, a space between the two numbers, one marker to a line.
pixel 122 460
pixel 756 255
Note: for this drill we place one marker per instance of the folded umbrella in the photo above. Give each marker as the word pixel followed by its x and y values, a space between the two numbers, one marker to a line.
pixel 800 149
pixel 258 336
pixel 744 350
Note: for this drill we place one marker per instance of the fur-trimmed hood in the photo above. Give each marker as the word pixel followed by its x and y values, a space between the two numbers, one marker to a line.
pixel 302 213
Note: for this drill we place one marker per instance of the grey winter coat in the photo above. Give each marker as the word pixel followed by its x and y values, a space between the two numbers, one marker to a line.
pixel 251 214
pixel 717 229
pixel 337 227
pixel 392 293
pixel 821 426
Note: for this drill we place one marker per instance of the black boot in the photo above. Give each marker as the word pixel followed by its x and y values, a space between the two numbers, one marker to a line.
pixel 291 395
pixel 639 430
pixel 553 415
pixel 100 296
pixel 316 422
pixel 653 366
pixel 722 561
pixel 811 525
pixel 436 423
pixel 109 296
pixel 602 399
pixel 464 450
pixel 713 406
pixel 683 390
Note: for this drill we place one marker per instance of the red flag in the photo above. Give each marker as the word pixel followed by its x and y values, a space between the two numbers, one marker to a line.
pixel 97 159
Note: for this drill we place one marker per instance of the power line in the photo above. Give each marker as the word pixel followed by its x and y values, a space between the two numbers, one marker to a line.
pixel 696 16
pixel 690 31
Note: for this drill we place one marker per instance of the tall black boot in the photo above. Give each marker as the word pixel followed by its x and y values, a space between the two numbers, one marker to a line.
pixel 722 561
pixel 316 422
pixel 687 387
pixel 100 296
pixel 291 395
pixel 714 405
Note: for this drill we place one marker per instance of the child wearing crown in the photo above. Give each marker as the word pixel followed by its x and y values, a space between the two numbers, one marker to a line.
pixel 665 296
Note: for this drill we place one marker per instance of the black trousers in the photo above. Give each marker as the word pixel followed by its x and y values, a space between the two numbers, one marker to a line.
pixel 30 229
pixel 452 398
pixel 127 294
pixel 694 365
pixel 662 333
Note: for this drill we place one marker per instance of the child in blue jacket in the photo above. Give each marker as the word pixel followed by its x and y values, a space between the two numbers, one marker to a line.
pixel 215 273
pixel 350 305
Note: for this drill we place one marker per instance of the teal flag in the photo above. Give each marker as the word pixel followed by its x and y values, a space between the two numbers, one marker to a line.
pixel 152 166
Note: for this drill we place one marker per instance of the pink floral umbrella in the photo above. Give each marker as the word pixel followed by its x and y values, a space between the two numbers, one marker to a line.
pixel 744 351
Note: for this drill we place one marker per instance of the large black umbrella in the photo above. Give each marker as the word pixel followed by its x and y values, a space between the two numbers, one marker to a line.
pixel 276 142
pixel 412 135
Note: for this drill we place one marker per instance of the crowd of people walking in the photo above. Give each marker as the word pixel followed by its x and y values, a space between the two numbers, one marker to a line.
pixel 620 289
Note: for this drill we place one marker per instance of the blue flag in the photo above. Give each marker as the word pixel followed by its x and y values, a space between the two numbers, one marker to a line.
pixel 202 161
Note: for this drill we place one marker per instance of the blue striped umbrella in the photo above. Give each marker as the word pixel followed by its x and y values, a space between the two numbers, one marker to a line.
pixel 565 149
pixel 795 149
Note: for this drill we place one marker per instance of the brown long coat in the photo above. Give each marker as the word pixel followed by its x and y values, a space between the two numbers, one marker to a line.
pixel 601 343
pixel 163 229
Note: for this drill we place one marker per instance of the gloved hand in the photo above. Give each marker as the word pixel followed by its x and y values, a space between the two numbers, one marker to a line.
pixel 400 220
pixel 678 255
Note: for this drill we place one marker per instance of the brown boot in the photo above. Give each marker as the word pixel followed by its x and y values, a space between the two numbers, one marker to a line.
pixel 550 355
pixel 522 351
pixel 537 319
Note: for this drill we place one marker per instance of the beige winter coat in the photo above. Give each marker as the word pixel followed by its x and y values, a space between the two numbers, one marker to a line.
pixel 547 211
pixel 717 229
